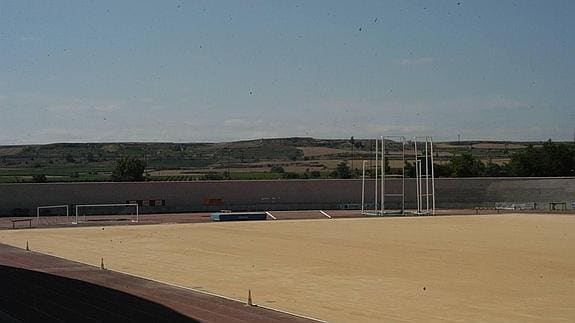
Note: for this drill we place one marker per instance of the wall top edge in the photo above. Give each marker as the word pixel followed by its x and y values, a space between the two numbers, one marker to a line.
pixel 287 180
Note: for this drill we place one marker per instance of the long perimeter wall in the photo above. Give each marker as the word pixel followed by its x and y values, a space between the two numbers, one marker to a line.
pixel 161 197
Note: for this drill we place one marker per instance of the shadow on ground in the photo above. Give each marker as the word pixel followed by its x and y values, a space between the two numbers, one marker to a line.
pixel 30 296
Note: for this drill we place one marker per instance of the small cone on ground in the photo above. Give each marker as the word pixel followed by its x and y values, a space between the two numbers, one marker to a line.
pixel 102 264
pixel 250 303
pixel 27 246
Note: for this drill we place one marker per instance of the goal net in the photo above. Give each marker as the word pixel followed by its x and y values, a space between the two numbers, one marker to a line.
pixel 52 214
pixel 106 212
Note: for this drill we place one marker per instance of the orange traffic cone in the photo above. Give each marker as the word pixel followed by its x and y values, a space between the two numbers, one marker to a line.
pixel 250 298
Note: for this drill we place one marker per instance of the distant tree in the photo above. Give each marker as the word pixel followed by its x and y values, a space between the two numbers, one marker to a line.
pixel 352 142
pixel 442 170
pixel 495 170
pixel 290 175
pixel 40 178
pixel 70 158
pixel 387 167
pixel 549 160
pixel 526 162
pixel 277 169
pixel 129 169
pixel 465 165
pixel 409 169
pixel 315 174
pixel 342 170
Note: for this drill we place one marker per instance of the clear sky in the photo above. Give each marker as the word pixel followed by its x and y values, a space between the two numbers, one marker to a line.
pixel 185 71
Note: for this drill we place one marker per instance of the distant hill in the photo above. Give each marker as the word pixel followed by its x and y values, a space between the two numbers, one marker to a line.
pixel 250 159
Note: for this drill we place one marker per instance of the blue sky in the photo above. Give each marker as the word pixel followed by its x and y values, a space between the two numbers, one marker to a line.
pixel 101 71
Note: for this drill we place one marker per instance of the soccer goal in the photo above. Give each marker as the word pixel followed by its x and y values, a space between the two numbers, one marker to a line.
pixel 107 212
pixel 52 214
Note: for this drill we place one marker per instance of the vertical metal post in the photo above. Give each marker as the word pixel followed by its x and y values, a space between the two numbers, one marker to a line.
pixel 420 183
pixel 375 181
pixel 362 187
pixel 382 175
pixel 416 173
pixel 432 178
pixel 403 177
pixel 426 175
pixel 417 183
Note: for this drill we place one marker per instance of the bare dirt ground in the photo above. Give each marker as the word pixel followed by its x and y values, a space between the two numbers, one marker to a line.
pixel 490 268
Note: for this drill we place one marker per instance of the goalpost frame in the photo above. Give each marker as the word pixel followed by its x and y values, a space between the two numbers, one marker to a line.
pixel 424 176
pixel 107 205
pixel 51 207
pixel 385 158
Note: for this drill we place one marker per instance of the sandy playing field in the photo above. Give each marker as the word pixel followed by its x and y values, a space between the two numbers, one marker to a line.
pixel 488 268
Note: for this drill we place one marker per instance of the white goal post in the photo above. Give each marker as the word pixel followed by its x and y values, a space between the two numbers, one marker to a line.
pixel 78 207
pixel 51 207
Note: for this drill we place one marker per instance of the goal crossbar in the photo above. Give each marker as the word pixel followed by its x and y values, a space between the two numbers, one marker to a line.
pixel 107 205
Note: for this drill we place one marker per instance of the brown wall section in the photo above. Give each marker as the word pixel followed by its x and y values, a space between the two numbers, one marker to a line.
pixel 280 195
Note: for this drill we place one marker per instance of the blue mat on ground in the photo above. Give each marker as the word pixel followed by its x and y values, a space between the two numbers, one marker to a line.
pixel 238 216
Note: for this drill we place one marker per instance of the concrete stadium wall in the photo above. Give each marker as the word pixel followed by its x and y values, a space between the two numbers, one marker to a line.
pixel 280 194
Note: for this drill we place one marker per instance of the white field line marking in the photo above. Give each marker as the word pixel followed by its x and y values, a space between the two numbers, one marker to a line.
pixel 191 289
pixel 324 213
pixel 271 216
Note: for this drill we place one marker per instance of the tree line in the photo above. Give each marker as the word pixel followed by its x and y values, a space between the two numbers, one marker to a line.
pixel 551 159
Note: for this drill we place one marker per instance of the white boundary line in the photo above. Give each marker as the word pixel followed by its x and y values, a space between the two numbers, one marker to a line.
pixel 325 213
pixel 189 288
pixel 271 216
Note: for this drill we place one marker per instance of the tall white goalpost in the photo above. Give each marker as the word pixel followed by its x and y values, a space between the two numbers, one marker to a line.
pixel 136 216
pixel 385 158
pixel 425 176
pixel 422 155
